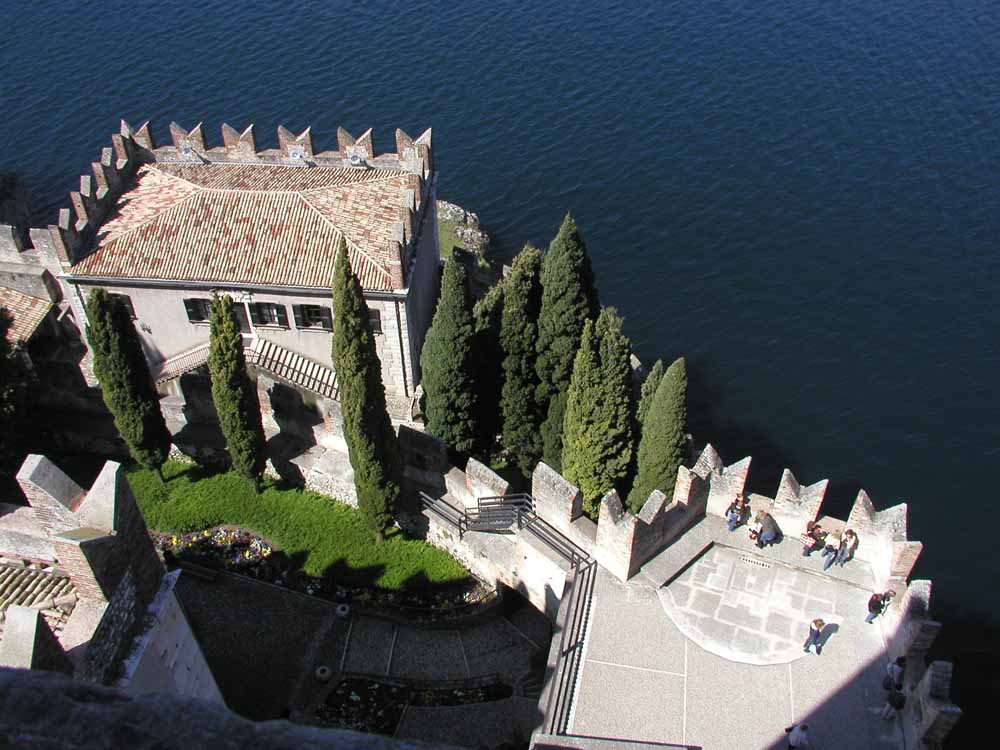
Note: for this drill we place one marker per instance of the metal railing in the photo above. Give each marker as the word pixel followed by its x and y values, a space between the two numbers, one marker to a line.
pixel 559 706
pixel 506 514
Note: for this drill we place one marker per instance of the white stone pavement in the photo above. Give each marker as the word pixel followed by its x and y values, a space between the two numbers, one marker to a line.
pixel 643 679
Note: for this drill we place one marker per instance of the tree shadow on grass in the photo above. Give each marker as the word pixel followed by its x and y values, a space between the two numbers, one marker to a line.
pixel 341 573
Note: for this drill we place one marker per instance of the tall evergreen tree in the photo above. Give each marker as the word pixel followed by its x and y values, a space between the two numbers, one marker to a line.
pixel 663 447
pixel 234 394
pixel 598 438
pixel 371 441
pixel 552 430
pixel 448 365
pixel 518 332
pixel 569 298
pixel 126 385
pixel 13 392
pixel 649 386
pixel 487 315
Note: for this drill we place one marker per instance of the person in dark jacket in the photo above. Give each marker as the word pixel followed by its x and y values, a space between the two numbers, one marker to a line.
pixel 768 532
pixel 877 604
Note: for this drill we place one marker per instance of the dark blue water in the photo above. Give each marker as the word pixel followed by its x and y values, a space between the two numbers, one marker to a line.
pixel 801 197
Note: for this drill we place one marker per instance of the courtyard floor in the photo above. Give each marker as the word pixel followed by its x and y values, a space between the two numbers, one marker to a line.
pixel 714 659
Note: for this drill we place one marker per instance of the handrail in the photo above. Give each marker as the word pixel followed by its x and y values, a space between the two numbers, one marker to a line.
pixel 569 656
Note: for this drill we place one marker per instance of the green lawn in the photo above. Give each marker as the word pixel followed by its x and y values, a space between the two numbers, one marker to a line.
pixel 447 239
pixel 326 535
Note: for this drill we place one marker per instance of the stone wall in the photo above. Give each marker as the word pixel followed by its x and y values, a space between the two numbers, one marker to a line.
pixel 46 710
pixel 165 655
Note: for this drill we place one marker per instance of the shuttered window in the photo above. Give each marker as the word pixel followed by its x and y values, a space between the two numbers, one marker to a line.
pixel 268 314
pixel 198 309
pixel 313 316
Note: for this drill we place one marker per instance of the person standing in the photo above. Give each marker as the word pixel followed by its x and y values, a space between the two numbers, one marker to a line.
pixel 877 604
pixel 815 631
pixel 832 548
pixel 847 546
pixel 798 736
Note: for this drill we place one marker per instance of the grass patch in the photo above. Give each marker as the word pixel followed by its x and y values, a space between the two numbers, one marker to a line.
pixel 323 536
pixel 447 239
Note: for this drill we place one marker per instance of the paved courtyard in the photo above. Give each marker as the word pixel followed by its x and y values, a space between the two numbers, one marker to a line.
pixel 752 609
pixel 715 661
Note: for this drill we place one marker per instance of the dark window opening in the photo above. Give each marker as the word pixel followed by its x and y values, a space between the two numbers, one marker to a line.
pixel 198 310
pixel 313 316
pixel 123 299
pixel 268 314
pixel 375 320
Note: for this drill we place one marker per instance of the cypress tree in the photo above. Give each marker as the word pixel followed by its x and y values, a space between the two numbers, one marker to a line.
pixel 371 441
pixel 598 439
pixel 234 394
pixel 569 298
pixel 126 385
pixel 488 357
pixel 448 366
pixel 13 391
pixel 518 332
pixel 552 431
pixel 649 386
pixel 663 446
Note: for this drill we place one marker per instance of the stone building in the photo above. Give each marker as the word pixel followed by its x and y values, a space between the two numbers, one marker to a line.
pixel 168 227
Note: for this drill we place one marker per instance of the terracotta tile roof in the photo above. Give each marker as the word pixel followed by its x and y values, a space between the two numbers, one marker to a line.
pixel 28 313
pixel 54 595
pixel 252 223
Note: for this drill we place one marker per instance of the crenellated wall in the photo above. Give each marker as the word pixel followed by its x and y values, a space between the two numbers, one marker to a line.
pixel 99 538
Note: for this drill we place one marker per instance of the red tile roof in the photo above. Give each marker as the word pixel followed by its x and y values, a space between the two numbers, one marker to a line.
pixel 252 223
pixel 28 313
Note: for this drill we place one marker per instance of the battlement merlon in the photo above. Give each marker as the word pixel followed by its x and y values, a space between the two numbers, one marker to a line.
pixel 414 156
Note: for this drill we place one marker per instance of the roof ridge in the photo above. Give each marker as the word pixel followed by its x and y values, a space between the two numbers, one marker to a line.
pixel 347 240
pixel 154 217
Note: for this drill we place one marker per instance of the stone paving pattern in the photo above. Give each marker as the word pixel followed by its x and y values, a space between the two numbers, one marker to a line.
pixel 642 679
pixel 748 608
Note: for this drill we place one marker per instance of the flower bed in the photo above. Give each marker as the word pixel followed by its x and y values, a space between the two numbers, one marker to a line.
pixel 241 551
pixel 367 705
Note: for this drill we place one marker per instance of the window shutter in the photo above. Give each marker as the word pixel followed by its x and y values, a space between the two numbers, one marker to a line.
pixel 193 311
pixel 255 315
pixel 282 315
pixel 297 313
pixel 327 318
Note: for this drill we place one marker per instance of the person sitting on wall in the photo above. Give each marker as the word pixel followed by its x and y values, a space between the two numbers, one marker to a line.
pixel 847 546
pixel 736 513
pixel 764 530
pixel 894 672
pixel 877 604
pixel 831 548
pixel 813 539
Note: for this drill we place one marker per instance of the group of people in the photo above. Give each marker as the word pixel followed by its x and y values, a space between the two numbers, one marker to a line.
pixel 837 548
pixel 763 529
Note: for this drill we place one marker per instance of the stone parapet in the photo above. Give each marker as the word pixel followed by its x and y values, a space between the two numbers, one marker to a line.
pixel 935 713
pixel 29 643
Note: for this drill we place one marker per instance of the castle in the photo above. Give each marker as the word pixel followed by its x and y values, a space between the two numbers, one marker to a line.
pixel 666 602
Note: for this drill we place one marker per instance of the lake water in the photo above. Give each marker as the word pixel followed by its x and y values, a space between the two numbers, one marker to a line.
pixel 801 197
